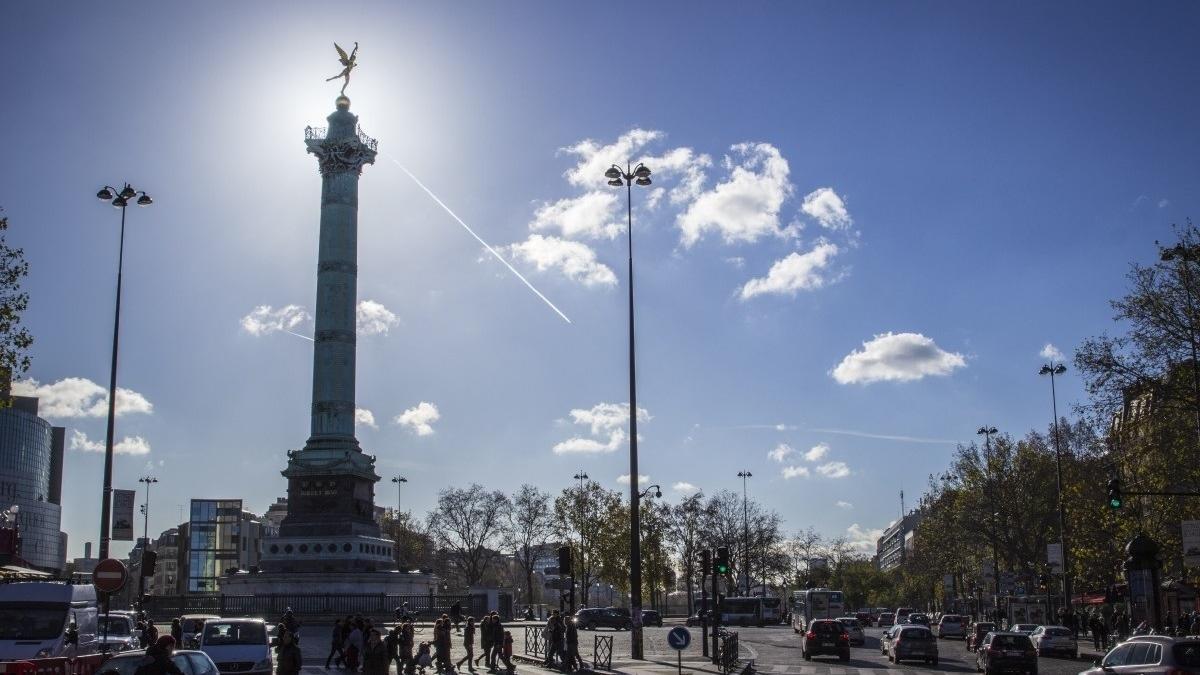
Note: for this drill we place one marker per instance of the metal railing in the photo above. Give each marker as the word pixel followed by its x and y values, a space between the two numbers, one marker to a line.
pixel 535 641
pixel 319 134
pixel 602 650
pixel 424 607
pixel 729 658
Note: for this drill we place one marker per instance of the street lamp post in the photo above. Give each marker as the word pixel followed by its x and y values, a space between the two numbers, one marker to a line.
pixel 746 526
pixel 146 507
pixel 617 178
pixel 987 432
pixel 1185 256
pixel 119 200
pixel 653 537
pixel 399 481
pixel 582 476
pixel 1053 369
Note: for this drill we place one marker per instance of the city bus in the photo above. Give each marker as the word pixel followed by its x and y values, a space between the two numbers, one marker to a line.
pixel 815 603
pixel 772 610
pixel 740 611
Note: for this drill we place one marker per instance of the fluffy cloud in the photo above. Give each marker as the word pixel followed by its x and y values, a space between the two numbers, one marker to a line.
pixel 745 207
pixel 574 260
pixel 623 479
pixel 80 397
pixel 834 470
pixel 578 444
pixel 592 215
pixel 844 505
pixel 781 452
pixel 896 356
pixel 602 419
pixel 372 318
pixel 135 445
pixel 817 452
pixel 595 158
pixel 419 419
pixel 684 487
pixel 861 540
pixel 795 472
pixel 827 208
pixel 364 418
pixel 794 273
pixel 264 320
pixel 1051 352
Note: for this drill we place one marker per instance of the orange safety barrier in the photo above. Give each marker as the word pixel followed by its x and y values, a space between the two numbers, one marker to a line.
pixel 79 665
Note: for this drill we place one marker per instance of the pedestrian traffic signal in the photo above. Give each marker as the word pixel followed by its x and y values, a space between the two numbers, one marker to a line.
pixel 1115 499
pixel 1043 580
pixel 722 566
pixel 149 562
pixel 705 562
pixel 564 561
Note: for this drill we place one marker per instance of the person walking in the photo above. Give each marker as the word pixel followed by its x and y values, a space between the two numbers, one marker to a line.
pixel 485 641
pixel 468 645
pixel 177 631
pixel 375 655
pixel 456 615
pixel 392 642
pixel 354 648
pixel 158 659
pixel 506 651
pixel 497 639
pixel 288 659
pixel 574 660
pixel 336 639
pixel 407 636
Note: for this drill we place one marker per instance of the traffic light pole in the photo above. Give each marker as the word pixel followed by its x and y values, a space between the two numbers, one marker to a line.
pixel 716 622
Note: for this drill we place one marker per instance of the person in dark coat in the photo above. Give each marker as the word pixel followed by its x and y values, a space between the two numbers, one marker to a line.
pixel 375 656
pixel 288 659
pixel 497 640
pixel 456 615
pixel 337 639
pixel 392 641
pixel 468 645
pixel 158 659
pixel 574 660
pixel 177 631
pixel 485 641
pixel 407 643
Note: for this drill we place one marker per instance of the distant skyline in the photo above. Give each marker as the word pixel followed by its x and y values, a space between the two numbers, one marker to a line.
pixel 869 226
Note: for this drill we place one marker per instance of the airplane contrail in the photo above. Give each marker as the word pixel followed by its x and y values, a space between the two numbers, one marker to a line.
pixel 480 239
pixel 302 337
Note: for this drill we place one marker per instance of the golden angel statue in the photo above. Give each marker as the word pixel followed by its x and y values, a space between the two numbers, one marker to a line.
pixel 348 63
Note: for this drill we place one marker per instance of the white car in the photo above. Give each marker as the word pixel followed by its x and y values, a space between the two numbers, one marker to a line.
pixel 1054 640
pixel 951 625
pixel 237 646
pixel 855 630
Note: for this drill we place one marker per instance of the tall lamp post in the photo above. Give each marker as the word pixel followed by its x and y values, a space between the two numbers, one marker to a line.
pixel 655 491
pixel 119 200
pixel 582 476
pixel 746 526
pixel 987 432
pixel 618 178
pixel 399 481
pixel 1185 256
pixel 1053 369
pixel 146 507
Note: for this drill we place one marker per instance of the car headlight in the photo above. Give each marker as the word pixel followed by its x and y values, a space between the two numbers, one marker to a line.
pixel 43 653
pixel 265 664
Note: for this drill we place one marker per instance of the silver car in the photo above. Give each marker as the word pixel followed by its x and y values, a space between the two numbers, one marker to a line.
pixel 1054 640
pixel 1152 655
pixel 854 629
pixel 951 625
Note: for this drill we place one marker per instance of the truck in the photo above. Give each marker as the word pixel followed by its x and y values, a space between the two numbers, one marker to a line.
pixel 37 617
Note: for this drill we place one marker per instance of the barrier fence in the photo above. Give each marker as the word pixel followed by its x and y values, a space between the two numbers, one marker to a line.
pixel 602 650
pixel 312 606
pixel 729 659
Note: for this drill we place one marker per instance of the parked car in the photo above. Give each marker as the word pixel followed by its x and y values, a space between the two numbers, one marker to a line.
pixel 978 630
pixel 1151 655
pixel 918 619
pixel 911 642
pixel 237 645
pixel 651 617
pixel 191 662
pixel 825 636
pixel 1054 640
pixel 607 617
pixel 1004 652
pixel 886 619
pixel 1024 628
pixel 951 625
pixel 855 631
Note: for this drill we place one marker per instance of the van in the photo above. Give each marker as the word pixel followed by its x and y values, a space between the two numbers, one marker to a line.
pixel 35 617
pixel 237 646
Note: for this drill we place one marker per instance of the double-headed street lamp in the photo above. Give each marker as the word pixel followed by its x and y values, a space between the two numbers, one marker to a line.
pixel 617 178
pixel 1186 255
pixel 744 475
pixel 146 507
pixel 119 199
pixel 1053 369
pixel 986 432
pixel 399 481
pixel 582 476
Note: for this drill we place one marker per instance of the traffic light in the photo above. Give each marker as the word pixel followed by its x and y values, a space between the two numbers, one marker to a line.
pixel 149 561
pixel 722 566
pixel 705 562
pixel 564 561
pixel 1043 580
pixel 1115 500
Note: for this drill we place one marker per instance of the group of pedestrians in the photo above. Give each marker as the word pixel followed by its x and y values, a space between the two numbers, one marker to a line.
pixel 562 644
pixel 356 643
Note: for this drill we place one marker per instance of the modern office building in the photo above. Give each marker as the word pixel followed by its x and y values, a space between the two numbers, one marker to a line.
pixel 31 464
pixel 166 570
pixel 213 543
pixel 896 544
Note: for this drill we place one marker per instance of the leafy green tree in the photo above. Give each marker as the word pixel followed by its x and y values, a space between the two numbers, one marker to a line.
pixel 15 340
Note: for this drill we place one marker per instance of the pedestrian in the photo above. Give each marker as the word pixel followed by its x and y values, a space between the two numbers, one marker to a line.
pixel 158 659
pixel 392 642
pixel 506 651
pixel 336 639
pixel 497 639
pixel 177 631
pixel 354 648
pixel 468 645
pixel 485 641
pixel 443 646
pixel 558 640
pixel 549 633
pixel 288 660
pixel 290 623
pixel 574 661
pixel 375 656
pixel 406 647
pixel 1094 627
pixel 424 660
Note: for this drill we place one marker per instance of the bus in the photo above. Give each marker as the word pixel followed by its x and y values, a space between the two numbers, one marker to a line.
pixel 815 603
pixel 741 611
pixel 772 610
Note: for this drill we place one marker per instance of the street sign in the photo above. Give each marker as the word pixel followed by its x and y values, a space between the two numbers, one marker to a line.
pixel 110 575
pixel 679 638
pixel 1054 557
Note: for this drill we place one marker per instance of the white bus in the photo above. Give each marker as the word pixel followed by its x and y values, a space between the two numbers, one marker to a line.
pixel 772 610
pixel 740 611
pixel 815 603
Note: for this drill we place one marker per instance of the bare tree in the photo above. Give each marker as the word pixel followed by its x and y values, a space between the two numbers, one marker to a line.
pixel 687 521
pixel 530 527
pixel 467 524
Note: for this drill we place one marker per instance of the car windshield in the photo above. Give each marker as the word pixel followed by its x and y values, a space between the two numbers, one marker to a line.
pixel 849 623
pixel 1011 642
pixel 827 627
pixel 984 627
pixel 216 633
pixel 1187 654
pixel 916 634
pixel 117 626
pixel 950 618
pixel 1057 632
pixel 31 620
pixel 886 615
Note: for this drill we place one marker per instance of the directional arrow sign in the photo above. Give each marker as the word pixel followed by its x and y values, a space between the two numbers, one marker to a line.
pixel 679 638
pixel 110 575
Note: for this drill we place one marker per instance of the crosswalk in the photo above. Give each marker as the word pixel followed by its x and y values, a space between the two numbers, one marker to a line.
pixel 796 669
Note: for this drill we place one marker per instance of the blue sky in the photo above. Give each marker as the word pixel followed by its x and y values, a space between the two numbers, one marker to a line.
pixel 971 179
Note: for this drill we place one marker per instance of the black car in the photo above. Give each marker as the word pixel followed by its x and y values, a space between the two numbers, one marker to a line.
pixel 1006 653
pixel 918 619
pixel 651 617
pixel 825 636
pixel 591 619
pixel 978 630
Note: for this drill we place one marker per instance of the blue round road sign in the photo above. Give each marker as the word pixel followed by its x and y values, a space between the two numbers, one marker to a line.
pixel 679 638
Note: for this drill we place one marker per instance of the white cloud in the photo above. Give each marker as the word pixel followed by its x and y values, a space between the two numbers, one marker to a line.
pixel 793 273
pixel 574 260
pixel 827 208
pixel 263 320
pixel 834 470
pixel 745 207
pixel 896 356
pixel 365 418
pixel 684 487
pixel 595 158
pixel 844 505
pixel 864 541
pixel 372 318
pixel 817 452
pixel 781 452
pixel 80 397
pixel 795 472
pixel 1164 203
pixel 130 445
pixel 592 215
pixel 579 444
pixel 602 419
pixel 737 261
pixel 419 419
pixel 783 427
pixel 623 479
pixel 1051 352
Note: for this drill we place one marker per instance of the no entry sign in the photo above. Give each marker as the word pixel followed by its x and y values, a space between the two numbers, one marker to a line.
pixel 110 575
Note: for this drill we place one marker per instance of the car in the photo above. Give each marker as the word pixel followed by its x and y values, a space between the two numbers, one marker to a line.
pixel 238 645
pixel 951 625
pixel 190 661
pixel 854 629
pixel 917 619
pixel 864 619
pixel 1151 655
pixel 887 637
pixel 1024 628
pixel 902 614
pixel 912 642
pixel 886 619
pixel 651 617
pixel 115 632
pixel 607 617
pixel 1054 640
pixel 825 636
pixel 978 630
pixel 192 624
pixel 1006 651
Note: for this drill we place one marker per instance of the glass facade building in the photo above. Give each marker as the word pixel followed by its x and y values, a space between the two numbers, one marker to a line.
pixel 214 542
pixel 31 453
